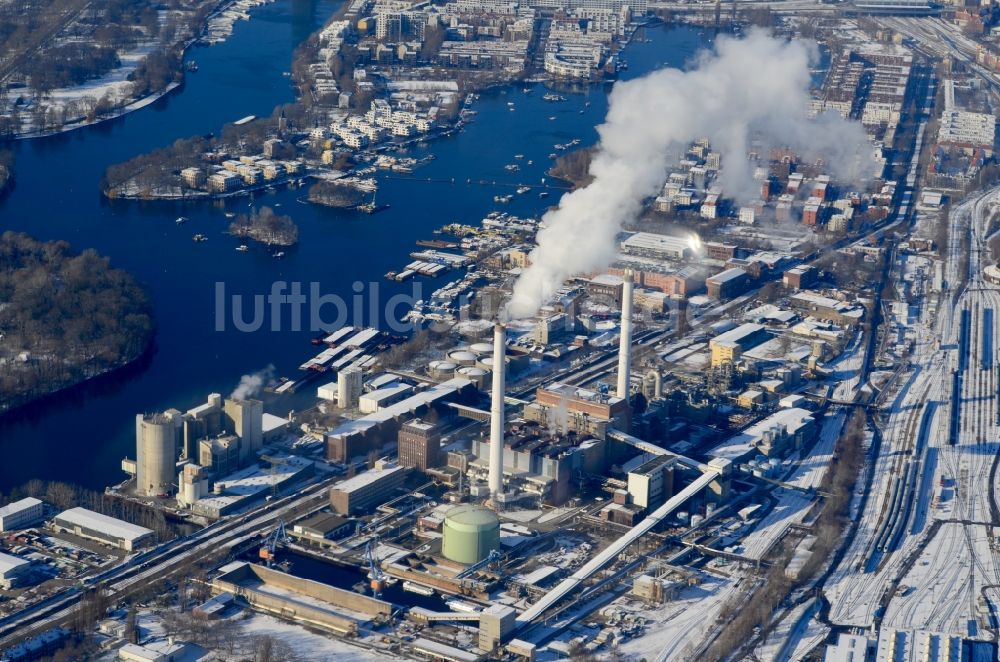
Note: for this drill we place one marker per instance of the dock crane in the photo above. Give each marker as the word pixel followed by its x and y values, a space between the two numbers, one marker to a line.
pixel 278 537
pixel 376 577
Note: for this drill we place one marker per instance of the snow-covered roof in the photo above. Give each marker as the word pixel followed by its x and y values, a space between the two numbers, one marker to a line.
pixel 8 563
pixel 110 526
pixel 18 506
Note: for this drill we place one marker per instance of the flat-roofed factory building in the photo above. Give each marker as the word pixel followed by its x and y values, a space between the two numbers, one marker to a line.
pixel 13 571
pixel 21 514
pixel 108 530
pixel 368 489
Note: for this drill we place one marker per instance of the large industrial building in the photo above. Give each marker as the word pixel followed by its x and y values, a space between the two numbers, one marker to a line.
pixel 772 437
pixel 21 514
pixel 14 571
pixel 580 410
pixel 661 246
pixel 249 485
pixel 244 418
pixel 220 435
pixel 368 489
pixel 356 438
pixel 538 467
pixel 108 530
pixel 727 284
pixel 420 445
pixel 728 347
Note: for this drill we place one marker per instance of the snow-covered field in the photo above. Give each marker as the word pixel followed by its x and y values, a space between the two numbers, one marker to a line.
pixel 305 644
pixel 675 629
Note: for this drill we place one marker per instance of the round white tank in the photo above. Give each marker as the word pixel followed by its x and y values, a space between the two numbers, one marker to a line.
pixel 475 375
pixel 481 348
pixel 462 357
pixel 441 369
pixel 486 363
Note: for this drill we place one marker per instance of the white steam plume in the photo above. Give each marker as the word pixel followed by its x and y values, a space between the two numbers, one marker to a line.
pixel 755 88
pixel 250 385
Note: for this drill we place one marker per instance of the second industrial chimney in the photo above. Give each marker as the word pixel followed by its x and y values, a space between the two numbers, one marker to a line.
pixel 497 412
pixel 625 350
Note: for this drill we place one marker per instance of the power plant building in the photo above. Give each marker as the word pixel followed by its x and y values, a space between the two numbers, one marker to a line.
pixel 192 484
pixel 536 467
pixel 156 441
pixel 108 530
pixel 200 422
pixel 358 437
pixel 220 455
pixel 220 435
pixel 420 445
pixel 21 514
pixel 245 419
pixel 369 489
pixel 652 482
pixel 470 534
pixel 574 409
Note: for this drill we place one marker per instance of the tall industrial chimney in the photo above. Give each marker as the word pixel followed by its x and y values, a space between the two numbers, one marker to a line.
pixel 497 411
pixel 625 350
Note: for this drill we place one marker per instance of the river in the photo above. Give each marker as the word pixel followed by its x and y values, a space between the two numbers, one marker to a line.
pixel 81 435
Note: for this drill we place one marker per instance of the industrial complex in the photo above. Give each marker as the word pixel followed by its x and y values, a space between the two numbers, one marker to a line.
pixel 733 397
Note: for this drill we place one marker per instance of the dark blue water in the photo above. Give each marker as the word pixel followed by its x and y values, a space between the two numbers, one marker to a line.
pixel 82 435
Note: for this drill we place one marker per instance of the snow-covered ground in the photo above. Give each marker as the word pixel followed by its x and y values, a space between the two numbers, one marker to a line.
pixel 675 629
pixel 305 644
pixel 934 577
pixel 793 505
pixel 847 369
pixel 941 591
pixel 789 634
